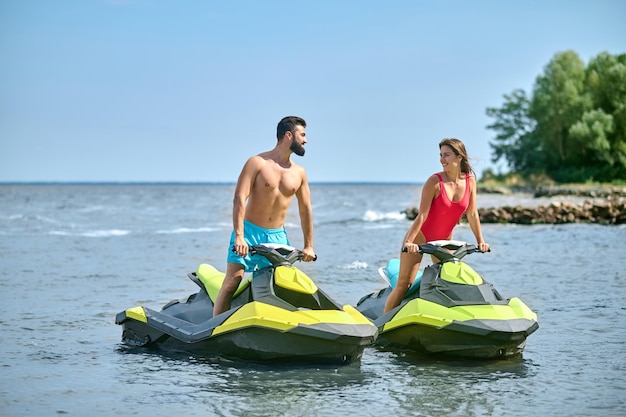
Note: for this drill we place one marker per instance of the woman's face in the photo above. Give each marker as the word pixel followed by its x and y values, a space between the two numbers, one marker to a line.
pixel 448 158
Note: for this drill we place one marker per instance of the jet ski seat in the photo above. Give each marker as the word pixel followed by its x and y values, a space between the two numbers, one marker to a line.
pixel 390 273
pixel 210 280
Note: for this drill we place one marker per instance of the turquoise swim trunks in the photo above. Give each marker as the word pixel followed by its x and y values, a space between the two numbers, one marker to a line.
pixel 254 235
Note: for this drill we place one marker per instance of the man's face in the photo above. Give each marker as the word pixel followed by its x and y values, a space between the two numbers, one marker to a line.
pixel 298 141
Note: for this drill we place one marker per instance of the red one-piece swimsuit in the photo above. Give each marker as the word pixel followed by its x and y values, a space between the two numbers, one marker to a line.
pixel 444 214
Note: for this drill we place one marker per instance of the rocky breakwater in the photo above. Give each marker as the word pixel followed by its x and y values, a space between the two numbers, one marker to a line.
pixel 609 209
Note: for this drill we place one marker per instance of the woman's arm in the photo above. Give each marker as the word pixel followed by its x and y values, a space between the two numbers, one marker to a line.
pixel 429 192
pixel 474 219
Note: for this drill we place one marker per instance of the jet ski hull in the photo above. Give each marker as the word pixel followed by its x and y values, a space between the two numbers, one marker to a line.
pixel 262 339
pixel 458 339
pixel 451 311
pixel 277 315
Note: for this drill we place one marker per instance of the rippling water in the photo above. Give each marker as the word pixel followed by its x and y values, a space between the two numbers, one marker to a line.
pixel 74 256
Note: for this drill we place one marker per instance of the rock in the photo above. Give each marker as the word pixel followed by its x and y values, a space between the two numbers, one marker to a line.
pixel 611 210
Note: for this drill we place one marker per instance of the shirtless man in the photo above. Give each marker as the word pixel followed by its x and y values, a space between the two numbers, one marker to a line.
pixel 267 183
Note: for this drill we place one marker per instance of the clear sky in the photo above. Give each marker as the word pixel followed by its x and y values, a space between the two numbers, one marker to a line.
pixel 156 90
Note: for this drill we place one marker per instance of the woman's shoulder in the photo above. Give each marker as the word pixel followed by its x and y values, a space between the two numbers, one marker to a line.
pixel 433 181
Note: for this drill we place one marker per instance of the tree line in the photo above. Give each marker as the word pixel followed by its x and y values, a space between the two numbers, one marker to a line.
pixel 572 128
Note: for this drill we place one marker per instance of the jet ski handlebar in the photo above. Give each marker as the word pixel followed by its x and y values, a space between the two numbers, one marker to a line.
pixel 278 254
pixel 448 250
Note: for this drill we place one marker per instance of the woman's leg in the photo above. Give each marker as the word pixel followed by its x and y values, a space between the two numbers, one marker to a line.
pixel 409 265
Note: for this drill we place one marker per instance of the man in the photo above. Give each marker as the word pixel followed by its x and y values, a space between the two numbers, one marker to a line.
pixel 264 191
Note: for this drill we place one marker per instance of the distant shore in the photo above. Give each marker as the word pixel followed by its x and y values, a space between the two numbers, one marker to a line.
pixel 581 190
pixel 606 205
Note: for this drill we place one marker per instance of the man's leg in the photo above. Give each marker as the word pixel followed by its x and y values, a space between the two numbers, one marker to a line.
pixel 234 275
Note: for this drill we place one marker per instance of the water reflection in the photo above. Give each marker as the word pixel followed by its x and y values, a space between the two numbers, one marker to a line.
pixel 423 385
pixel 227 388
pixel 400 382
pixel 514 366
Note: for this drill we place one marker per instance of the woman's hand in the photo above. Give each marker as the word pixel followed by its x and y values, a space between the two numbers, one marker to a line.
pixel 484 247
pixel 410 247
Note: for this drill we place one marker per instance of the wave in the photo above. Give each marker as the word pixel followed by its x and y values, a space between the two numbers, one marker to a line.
pixel 354 265
pixel 290 225
pixel 373 219
pixel 181 230
pixel 92 233
pixel 375 216
pixel 27 218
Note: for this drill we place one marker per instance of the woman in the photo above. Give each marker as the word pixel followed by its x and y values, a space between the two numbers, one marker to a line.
pixel 445 197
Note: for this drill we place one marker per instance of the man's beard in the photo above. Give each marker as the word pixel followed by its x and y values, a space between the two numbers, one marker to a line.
pixel 297 148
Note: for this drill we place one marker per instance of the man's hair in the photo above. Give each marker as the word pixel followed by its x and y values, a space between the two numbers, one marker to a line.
pixel 288 124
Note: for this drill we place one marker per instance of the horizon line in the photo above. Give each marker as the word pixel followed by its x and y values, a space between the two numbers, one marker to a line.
pixel 197 183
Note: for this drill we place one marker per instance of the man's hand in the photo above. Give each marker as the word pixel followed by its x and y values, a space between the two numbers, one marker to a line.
pixel 240 247
pixel 308 254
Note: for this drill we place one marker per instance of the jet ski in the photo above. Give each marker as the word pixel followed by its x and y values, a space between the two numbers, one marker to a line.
pixel 449 310
pixel 277 314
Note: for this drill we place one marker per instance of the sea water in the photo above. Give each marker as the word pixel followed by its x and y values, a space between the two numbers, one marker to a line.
pixel 73 256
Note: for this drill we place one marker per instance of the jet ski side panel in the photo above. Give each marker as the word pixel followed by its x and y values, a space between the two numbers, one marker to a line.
pixel 258 314
pixel 426 312
pixel 261 344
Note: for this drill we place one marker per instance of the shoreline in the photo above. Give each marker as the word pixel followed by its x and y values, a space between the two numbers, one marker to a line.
pixel 579 190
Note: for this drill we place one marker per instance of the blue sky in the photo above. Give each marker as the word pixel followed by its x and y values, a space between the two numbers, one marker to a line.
pixel 155 90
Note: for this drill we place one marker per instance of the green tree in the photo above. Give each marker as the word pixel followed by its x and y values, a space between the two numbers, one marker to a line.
pixel 590 135
pixel 606 83
pixel 515 140
pixel 557 103
pixel 573 127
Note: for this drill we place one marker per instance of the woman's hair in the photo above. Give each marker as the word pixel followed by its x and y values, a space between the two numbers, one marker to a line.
pixel 459 150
